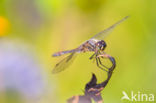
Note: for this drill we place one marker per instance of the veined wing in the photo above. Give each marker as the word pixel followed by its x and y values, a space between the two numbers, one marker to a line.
pixel 101 35
pixel 64 63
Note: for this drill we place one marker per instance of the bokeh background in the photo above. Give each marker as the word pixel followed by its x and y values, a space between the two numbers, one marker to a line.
pixel 32 30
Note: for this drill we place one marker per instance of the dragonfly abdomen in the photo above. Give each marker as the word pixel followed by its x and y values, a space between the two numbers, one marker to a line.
pixel 63 52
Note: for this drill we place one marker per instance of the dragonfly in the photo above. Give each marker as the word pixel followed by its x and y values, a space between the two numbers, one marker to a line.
pixel 96 44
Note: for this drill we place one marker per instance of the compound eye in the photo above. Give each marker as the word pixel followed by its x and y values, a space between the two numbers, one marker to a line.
pixel 102 47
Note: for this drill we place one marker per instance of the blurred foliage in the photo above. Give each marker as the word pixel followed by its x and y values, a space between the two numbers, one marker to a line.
pixel 53 25
pixel 90 5
pixel 4 26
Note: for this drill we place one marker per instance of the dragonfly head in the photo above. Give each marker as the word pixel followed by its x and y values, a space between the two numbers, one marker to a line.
pixel 101 44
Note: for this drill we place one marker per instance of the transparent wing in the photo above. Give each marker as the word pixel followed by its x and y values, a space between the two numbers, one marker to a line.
pixel 101 35
pixel 64 63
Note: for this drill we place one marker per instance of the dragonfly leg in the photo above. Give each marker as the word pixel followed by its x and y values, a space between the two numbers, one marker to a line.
pixel 101 63
pixel 92 56
pixel 97 62
pixel 110 58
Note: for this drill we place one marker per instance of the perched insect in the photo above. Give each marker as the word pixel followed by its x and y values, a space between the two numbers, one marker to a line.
pixel 96 44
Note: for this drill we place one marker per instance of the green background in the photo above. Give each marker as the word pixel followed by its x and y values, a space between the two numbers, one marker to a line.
pixel 48 26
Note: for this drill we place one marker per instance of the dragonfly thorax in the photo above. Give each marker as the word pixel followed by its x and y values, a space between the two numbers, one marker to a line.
pixel 93 45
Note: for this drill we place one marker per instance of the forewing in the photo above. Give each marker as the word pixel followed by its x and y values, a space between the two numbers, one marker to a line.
pixel 64 63
pixel 101 35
